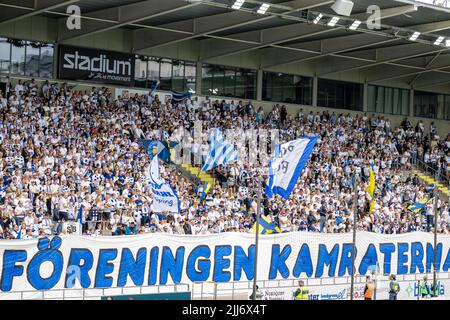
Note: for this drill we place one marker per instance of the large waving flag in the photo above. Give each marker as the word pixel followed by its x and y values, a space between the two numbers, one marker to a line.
pixel 418 206
pixel 153 172
pixel 177 97
pixel 266 226
pixel 220 152
pixel 287 165
pixel 371 189
pixel 155 147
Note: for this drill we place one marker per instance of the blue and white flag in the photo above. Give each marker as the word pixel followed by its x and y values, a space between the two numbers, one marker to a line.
pixel 177 97
pixel 287 165
pixel 154 176
pixel 164 199
pixel 220 152
pixel 153 86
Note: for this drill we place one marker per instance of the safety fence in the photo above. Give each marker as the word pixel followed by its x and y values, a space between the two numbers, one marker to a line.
pixel 97 294
pixel 337 288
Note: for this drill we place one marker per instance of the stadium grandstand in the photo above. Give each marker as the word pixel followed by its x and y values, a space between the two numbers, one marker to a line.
pixel 132 124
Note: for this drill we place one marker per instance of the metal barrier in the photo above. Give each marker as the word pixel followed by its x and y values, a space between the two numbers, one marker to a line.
pixel 241 290
pixel 94 293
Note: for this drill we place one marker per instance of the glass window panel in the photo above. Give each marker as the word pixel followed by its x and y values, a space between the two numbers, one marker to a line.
pixel 425 104
pixel 140 72
pixel 207 78
pixel 405 102
pixel 446 115
pixel 153 69
pixel 32 59
pixel 18 57
pixel 267 86
pixel 249 77
pixel 46 61
pixel 5 55
pixel 339 94
pixel 371 98
pixel 277 91
pixel 218 80
pixel 396 101
pixel 229 82
pixel 165 75
pixel 303 90
pixel 388 100
pixel 190 70
pixel 178 76
pixel 380 100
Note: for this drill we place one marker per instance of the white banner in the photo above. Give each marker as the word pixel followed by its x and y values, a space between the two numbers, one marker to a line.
pixel 164 199
pixel 160 259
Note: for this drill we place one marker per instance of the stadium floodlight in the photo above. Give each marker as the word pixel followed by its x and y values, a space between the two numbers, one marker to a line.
pixel 263 8
pixel 447 43
pixel 237 4
pixel 343 7
pixel 317 19
pixel 414 36
pixel 355 25
pixel 439 41
pixel 333 21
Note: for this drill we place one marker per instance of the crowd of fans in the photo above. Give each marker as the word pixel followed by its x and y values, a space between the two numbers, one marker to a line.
pixel 70 155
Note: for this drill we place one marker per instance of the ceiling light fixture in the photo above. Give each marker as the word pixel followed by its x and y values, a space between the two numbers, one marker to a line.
pixel 317 19
pixel 355 25
pixel 263 8
pixel 333 21
pixel 414 36
pixel 439 41
pixel 237 4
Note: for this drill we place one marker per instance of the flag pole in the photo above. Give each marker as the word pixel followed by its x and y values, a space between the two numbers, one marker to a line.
pixel 355 198
pixel 435 193
pixel 255 266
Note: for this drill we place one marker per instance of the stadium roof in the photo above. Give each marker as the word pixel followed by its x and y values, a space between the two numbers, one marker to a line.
pixel 285 34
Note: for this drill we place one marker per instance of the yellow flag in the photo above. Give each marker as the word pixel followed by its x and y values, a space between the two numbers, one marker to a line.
pixel 370 189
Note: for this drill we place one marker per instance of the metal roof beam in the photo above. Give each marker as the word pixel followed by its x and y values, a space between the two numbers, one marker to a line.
pixel 388 13
pixel 121 16
pixel 433 83
pixel 315 29
pixel 329 47
pixel 388 54
pixel 213 48
pixel 431 27
pixel 438 62
pixel 208 25
pixel 34 7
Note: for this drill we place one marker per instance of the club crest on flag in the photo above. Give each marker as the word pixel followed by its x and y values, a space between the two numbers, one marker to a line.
pixel 287 164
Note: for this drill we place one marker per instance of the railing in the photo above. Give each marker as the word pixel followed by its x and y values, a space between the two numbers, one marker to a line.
pixel 437 173
pixel 241 290
pixel 94 293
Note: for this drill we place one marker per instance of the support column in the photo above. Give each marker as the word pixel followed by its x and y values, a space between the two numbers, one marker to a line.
pixel 314 91
pixel 259 84
pixel 55 61
pixel 198 78
pixel 365 97
pixel 411 102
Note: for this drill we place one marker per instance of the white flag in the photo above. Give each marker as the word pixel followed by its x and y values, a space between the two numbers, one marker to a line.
pixel 153 172
pixel 165 199
pixel 287 165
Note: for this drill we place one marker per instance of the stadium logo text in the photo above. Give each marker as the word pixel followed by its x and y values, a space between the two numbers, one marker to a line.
pixel 102 64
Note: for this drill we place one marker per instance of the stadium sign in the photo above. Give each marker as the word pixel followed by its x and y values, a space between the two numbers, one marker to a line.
pixel 95 65
pixel 160 259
